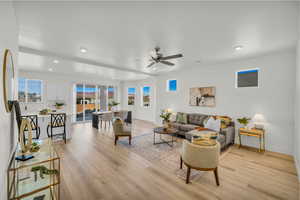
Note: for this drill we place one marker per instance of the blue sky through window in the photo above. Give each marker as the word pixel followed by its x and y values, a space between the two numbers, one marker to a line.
pixel 131 90
pixel 87 89
pixel 248 71
pixel 22 84
pixel 34 86
pixel 146 90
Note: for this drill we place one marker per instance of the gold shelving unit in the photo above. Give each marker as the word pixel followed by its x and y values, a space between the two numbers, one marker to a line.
pixel 23 184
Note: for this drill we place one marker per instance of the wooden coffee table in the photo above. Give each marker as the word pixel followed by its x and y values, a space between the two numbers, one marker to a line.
pixel 161 131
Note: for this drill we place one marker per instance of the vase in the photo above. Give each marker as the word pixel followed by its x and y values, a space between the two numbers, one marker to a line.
pixel 247 127
pixel 58 107
pixel 166 125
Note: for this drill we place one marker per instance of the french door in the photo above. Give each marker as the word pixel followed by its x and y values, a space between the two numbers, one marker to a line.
pixel 91 98
pixel 86 101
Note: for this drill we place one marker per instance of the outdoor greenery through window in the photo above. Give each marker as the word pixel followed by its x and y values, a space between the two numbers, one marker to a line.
pixel 131 96
pixel 30 90
pixel 146 96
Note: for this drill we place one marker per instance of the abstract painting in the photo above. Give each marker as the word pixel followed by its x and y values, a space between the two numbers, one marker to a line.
pixel 203 96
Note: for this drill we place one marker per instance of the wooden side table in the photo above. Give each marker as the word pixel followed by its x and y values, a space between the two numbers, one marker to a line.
pixel 259 133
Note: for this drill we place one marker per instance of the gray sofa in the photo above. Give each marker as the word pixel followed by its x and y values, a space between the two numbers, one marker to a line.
pixel 194 120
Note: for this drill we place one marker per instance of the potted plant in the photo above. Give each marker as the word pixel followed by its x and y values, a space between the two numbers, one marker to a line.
pixel 165 115
pixel 59 105
pixel 244 121
pixel 112 104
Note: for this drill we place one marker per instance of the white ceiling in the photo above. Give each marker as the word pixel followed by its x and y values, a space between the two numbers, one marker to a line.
pixel 120 35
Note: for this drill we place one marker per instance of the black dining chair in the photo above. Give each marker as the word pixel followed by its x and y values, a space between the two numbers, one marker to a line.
pixel 57 121
pixel 128 119
pixel 33 120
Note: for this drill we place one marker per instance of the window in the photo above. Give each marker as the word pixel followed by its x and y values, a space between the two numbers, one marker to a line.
pixel 146 96
pixel 247 78
pixel 172 85
pixel 111 94
pixel 30 90
pixel 131 96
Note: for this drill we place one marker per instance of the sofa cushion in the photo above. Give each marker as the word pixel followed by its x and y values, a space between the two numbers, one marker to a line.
pixel 175 125
pixel 196 119
pixel 187 127
pixel 181 118
pixel 221 139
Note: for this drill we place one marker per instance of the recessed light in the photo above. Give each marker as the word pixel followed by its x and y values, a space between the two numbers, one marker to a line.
pixel 238 47
pixel 83 50
pixel 50 69
pixel 55 61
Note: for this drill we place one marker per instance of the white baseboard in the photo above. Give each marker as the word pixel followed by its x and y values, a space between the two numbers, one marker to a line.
pixel 297 167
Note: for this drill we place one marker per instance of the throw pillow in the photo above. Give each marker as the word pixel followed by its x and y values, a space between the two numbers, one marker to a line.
pixel 225 121
pixel 181 118
pixel 213 124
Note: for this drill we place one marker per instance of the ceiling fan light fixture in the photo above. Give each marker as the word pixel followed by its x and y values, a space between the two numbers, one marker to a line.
pixel 83 50
pixel 238 47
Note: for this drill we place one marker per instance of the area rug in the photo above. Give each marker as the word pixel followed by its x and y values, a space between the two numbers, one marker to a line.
pixel 161 154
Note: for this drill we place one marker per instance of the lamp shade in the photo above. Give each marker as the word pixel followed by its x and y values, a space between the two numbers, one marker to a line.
pixel 259 121
pixel 258 118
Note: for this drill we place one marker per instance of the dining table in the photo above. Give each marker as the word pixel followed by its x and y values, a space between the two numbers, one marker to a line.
pixel 95 118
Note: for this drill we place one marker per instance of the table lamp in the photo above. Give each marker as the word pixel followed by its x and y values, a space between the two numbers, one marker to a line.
pixel 259 121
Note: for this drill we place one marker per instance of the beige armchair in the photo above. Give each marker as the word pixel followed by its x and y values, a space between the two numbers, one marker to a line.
pixel 120 130
pixel 203 158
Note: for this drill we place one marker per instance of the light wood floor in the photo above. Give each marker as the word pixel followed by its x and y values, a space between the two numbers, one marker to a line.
pixel 93 168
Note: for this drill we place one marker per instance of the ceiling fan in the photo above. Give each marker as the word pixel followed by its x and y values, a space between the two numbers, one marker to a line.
pixel 157 57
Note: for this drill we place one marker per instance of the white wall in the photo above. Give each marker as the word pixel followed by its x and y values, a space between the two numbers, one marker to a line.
pixel 297 109
pixel 138 111
pixel 60 87
pixel 8 39
pixel 274 98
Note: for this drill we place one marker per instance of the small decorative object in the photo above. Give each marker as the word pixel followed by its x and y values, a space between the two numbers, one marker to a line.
pixel 59 105
pixel 35 147
pixel 45 111
pixel 41 197
pixel 25 147
pixel 259 121
pixel 112 104
pixel 203 96
pixel 43 170
pixel 244 121
pixel 165 115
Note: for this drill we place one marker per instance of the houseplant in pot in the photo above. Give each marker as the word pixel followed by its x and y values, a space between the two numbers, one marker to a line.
pixel 59 105
pixel 112 105
pixel 166 115
pixel 244 121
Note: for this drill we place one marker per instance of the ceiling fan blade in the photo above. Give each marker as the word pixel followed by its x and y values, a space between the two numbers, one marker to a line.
pixel 171 57
pixel 150 64
pixel 167 63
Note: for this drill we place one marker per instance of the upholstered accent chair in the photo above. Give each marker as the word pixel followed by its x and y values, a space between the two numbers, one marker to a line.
pixel 121 130
pixel 203 158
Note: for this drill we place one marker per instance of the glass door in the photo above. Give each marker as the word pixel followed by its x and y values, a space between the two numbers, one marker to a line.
pixel 79 102
pixel 90 101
